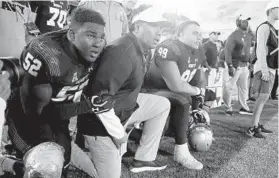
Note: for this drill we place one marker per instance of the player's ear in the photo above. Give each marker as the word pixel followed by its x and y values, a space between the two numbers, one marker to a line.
pixel 136 27
pixel 71 35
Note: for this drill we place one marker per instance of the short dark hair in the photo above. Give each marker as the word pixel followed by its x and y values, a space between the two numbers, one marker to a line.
pixel 185 24
pixel 82 15
pixel 268 12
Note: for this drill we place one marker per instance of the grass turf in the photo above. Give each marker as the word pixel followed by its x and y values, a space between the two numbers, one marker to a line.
pixel 232 155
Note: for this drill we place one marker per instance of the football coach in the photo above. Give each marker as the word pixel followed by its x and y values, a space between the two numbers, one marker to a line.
pixel 117 102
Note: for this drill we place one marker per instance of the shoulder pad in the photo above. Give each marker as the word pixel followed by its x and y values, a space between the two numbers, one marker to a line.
pixel 171 45
pixel 47 54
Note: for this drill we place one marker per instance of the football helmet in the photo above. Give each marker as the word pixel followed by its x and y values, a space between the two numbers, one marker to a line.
pixel 38 163
pixel 200 135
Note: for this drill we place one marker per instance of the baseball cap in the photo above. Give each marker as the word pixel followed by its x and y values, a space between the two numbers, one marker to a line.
pixel 243 17
pixel 214 33
pixel 151 15
pixel 272 4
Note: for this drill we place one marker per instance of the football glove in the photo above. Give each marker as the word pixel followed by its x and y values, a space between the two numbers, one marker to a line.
pixel 198 100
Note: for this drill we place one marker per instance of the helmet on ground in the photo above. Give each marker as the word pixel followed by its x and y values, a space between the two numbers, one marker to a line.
pixel 200 135
pixel 44 160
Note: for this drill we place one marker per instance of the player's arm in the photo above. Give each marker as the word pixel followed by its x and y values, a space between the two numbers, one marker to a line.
pixel 110 76
pixel 166 59
pixel 261 51
pixel 114 69
pixel 229 49
pixel 36 91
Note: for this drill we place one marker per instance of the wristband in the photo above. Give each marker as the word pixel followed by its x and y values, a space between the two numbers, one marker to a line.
pixel 198 91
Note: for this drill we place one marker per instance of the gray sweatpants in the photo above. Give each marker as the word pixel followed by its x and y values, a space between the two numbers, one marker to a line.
pixel 241 79
pixel 153 111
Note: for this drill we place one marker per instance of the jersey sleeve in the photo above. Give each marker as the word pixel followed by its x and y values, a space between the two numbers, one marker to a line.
pixel 37 61
pixel 167 51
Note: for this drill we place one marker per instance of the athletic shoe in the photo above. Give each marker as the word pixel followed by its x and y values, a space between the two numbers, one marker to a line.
pixel 184 157
pixel 141 166
pixel 244 111
pixel 255 132
pixel 229 113
pixel 264 130
pixel 252 99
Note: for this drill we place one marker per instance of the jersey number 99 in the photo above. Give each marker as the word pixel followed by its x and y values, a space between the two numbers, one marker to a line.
pixel 163 52
pixel 188 75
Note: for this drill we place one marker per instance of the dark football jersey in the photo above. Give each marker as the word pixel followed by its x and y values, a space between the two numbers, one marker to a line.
pixel 49 60
pixel 188 61
pixel 51 15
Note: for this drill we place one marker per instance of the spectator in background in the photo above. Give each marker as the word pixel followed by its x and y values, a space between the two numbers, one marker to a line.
pixel 211 51
pixel 222 56
pixel 114 14
pixel 237 55
pixel 267 41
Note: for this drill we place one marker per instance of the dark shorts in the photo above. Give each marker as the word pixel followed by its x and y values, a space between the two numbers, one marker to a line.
pixel 260 86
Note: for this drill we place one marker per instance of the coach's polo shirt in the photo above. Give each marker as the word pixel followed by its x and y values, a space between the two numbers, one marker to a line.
pixel 211 53
pixel 119 76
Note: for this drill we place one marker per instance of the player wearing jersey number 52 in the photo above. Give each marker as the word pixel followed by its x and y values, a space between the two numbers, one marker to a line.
pixel 57 67
pixel 118 80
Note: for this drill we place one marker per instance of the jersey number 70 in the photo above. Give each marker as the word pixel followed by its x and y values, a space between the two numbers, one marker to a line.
pixel 60 14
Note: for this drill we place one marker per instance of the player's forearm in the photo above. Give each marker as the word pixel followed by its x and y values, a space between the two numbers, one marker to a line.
pixel 228 50
pixel 261 55
pixel 228 57
pixel 184 88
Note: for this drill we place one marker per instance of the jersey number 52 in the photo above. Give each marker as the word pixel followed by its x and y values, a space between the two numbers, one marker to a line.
pixel 31 65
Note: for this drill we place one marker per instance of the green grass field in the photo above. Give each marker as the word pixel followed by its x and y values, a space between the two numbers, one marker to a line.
pixel 232 155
